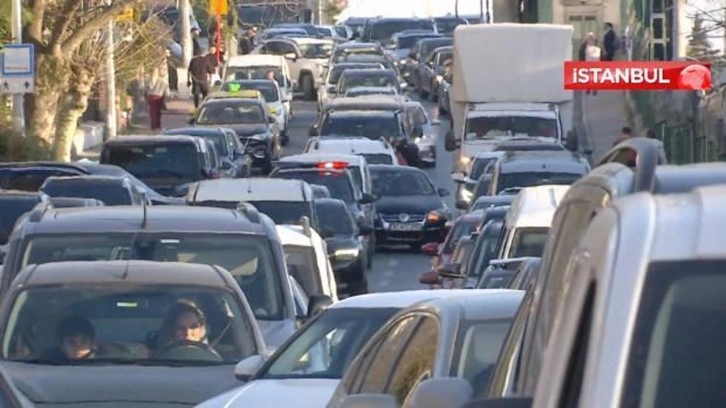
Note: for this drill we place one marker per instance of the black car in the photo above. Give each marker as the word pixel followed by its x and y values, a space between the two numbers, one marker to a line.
pixel 167 164
pixel 250 120
pixel 235 161
pixel 73 202
pixel 371 124
pixel 108 189
pixel 410 208
pixel 13 204
pixel 346 249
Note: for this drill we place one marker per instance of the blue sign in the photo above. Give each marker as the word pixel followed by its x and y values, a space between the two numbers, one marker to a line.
pixel 18 60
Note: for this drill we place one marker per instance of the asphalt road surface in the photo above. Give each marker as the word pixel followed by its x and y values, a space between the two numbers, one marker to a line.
pixel 393 270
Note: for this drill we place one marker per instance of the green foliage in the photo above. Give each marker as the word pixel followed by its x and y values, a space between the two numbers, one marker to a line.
pixel 698 45
pixel 15 147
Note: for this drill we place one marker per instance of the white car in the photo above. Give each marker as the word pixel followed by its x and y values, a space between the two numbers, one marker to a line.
pixel 307 260
pixel 305 371
pixel 375 151
pixel 274 97
pixel 256 67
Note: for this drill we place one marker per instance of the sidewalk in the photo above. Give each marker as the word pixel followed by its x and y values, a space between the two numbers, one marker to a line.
pixel 176 115
pixel 604 117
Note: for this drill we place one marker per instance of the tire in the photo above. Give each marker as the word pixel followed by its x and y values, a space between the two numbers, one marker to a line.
pixel 267 166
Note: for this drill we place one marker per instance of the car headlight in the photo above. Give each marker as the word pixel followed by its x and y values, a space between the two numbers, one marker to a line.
pixel 347 253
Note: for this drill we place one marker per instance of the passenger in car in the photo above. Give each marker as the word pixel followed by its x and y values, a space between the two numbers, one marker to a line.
pixel 76 337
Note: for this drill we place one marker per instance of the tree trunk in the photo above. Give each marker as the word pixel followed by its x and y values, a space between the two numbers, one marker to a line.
pixel 42 105
pixel 74 103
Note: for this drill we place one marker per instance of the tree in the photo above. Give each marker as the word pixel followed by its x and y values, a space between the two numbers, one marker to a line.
pixel 333 8
pixel 59 29
pixel 698 45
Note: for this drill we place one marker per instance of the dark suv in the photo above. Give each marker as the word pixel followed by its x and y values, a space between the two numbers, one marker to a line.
pixel 167 164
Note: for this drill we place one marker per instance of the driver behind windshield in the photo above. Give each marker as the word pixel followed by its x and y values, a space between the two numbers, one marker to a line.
pixel 184 325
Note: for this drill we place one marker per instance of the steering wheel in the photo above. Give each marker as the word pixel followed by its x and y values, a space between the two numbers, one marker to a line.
pixel 188 350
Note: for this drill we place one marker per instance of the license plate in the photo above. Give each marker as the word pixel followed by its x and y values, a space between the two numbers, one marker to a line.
pixel 405 227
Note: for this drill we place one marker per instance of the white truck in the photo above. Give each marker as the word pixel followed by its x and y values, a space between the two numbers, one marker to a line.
pixel 508 82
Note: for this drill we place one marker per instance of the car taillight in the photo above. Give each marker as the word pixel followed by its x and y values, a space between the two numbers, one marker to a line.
pixel 335 165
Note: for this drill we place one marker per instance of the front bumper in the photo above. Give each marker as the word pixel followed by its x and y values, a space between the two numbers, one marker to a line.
pixel 416 233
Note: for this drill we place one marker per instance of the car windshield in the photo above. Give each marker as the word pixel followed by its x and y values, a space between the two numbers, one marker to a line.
pixel 127 324
pixel 429 45
pixel 371 127
pixel 392 183
pixel 316 50
pixel 326 347
pixel 463 251
pixel 302 265
pixel 378 158
pixel 486 254
pixel 219 140
pixel 478 344
pixel 110 194
pixel 487 127
pixel 528 242
pixel 375 78
pixel 460 229
pixel 383 30
pixel 337 71
pixel 444 56
pixel 267 89
pixel 533 179
pixel 335 218
pixel 255 72
pixel 247 258
pixel 363 91
pixel 485 202
pixel 676 348
pixel 221 112
pixel 343 53
pixel 339 184
pixel 407 41
pixel 176 160
pixel 12 208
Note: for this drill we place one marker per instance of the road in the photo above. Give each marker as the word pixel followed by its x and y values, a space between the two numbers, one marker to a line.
pixel 392 270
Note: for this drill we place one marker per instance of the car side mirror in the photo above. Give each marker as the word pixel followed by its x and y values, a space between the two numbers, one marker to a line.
pixel 458 177
pixel 369 400
pixel 368 198
pixel 314 130
pixel 441 392
pixel 248 367
pixel 507 402
pixel 571 142
pixel 430 248
pixel 317 304
pixel 291 56
pixel 443 192
pixel 452 270
pixel 462 205
pixel 450 142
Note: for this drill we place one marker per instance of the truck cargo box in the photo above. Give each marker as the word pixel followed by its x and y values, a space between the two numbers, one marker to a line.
pixel 509 62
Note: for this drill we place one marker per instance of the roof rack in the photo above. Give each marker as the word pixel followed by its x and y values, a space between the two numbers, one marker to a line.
pixel 649 153
pixel 250 211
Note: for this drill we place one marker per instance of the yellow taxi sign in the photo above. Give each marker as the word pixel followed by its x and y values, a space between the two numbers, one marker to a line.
pixel 244 94
pixel 272 110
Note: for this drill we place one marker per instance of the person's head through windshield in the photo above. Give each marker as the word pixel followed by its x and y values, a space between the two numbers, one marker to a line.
pixel 185 322
pixel 270 74
pixel 76 336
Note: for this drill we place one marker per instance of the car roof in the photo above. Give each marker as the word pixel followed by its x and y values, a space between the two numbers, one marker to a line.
pixel 353 45
pixel 535 206
pixel 359 113
pixel 248 101
pixel 311 40
pixel 400 299
pixel 356 145
pixel 89 179
pixel 250 60
pixel 393 167
pixel 349 65
pixel 314 157
pixel 151 139
pixel 371 89
pixel 250 189
pixel 480 304
pixel 127 271
pixel 20 194
pixel 129 219
pixel 365 102
pixel 504 199
pixel 196 130
pixel 369 71
pixel 535 161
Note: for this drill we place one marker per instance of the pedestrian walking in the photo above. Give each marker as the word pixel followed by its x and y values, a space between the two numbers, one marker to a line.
pixel 590 51
pixel 610 42
pixel 157 92
pixel 200 72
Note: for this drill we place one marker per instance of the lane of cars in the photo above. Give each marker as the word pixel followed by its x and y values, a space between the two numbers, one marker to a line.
pixel 200 266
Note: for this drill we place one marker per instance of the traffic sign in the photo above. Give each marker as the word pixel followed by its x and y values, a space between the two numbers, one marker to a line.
pixel 18 85
pixel 18 69
pixel 218 7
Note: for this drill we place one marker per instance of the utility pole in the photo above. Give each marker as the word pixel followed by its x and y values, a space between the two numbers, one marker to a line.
pixel 18 99
pixel 185 14
pixel 111 115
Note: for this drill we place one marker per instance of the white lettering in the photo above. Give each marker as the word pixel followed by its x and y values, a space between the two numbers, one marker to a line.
pixel 619 76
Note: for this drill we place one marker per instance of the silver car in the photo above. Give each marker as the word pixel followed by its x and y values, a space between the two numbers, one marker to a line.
pixel 424 132
pixel 459 337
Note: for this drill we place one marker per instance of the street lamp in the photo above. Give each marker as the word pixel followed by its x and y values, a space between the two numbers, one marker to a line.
pixel 111 125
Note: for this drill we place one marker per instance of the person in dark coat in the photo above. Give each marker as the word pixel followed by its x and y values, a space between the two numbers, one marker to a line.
pixel 609 42
pixel 200 71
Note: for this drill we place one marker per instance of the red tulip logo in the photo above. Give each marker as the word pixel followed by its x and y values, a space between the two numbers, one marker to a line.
pixel 695 77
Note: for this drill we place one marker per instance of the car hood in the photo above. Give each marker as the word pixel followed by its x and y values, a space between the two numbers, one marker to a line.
pixel 301 393
pixel 120 386
pixel 247 130
pixel 408 204
pixel 275 332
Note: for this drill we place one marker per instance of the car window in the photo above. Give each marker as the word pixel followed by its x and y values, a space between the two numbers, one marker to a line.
pixel 479 351
pixel 335 218
pixel 528 242
pixel 388 183
pixel 368 126
pixel 303 266
pixel 416 362
pixel 418 115
pixel 375 374
pixel 379 79
pixel 268 89
pixel 279 48
pixel 160 160
pixel 316 50
pixel 230 112
pixel 340 184
pixel 110 194
pixel 328 345
pixel 75 324
pixel 247 258
pixel 255 72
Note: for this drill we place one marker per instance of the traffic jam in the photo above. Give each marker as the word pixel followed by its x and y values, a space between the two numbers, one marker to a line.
pixel 218 265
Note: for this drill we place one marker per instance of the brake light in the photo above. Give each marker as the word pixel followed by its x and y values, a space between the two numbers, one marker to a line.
pixel 336 165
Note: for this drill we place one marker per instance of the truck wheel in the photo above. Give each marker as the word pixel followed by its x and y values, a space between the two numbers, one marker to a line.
pixel 308 88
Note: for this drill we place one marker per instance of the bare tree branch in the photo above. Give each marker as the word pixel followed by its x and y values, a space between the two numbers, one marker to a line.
pixel 63 21
pixel 35 28
pixel 93 25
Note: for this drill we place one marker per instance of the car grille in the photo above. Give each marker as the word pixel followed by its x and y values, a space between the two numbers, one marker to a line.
pixel 396 217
